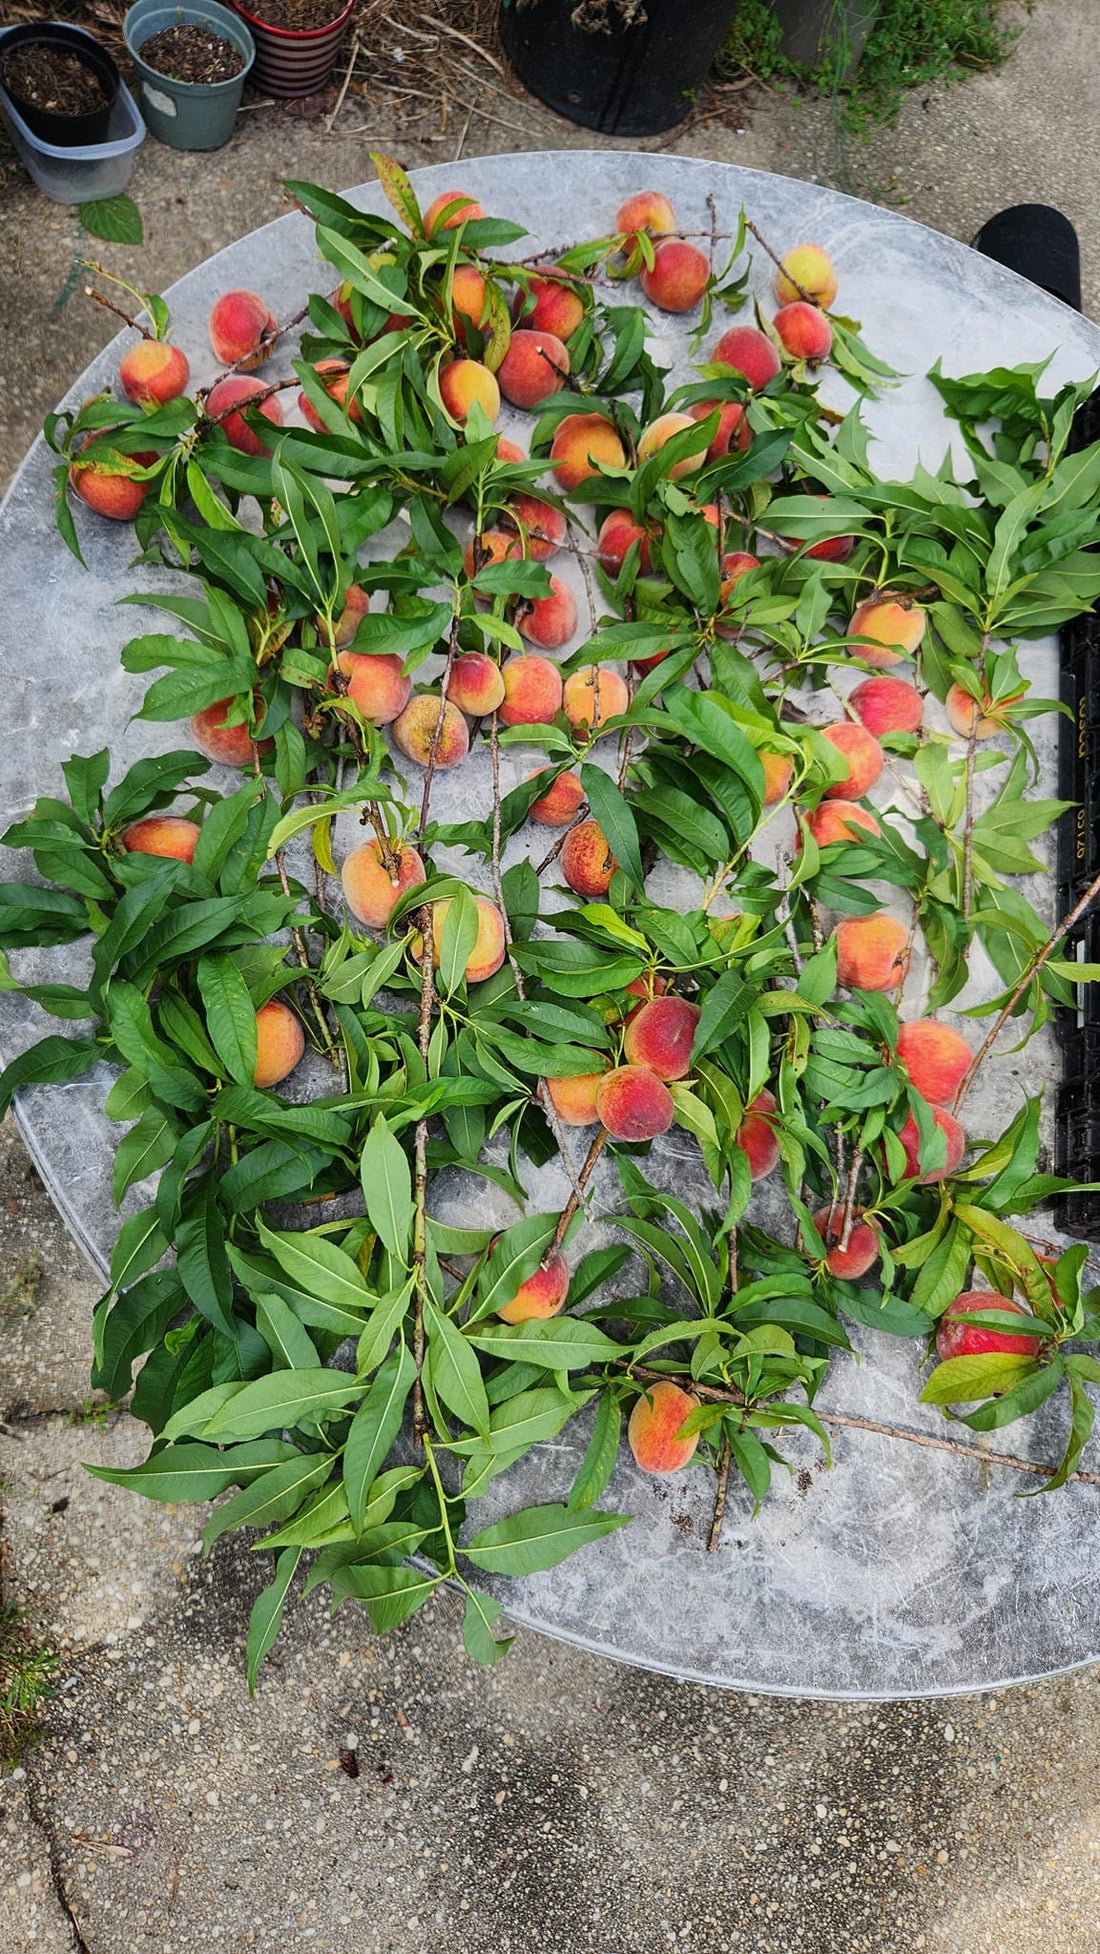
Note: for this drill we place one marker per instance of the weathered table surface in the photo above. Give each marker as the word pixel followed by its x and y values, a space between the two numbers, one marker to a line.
pixel 901 1571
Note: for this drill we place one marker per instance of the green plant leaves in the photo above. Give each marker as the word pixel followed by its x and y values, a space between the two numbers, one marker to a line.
pixel 538 1538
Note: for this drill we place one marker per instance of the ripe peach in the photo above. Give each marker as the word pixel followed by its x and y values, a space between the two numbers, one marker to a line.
pixel 535 365
pixel 241 329
pixel 646 210
pixel 152 372
pixel 376 684
pixel 956 1147
pixel 556 808
pixel 235 391
pixel 807 273
pixel 634 1104
pixel 734 431
pixel 582 444
pixel 864 756
pixel 414 731
pixel 660 1034
pixel 549 621
pixel 778 774
pixel 117 496
pixel 617 532
pixel 887 705
pixel 662 430
pixel 280 1043
pixel 678 277
pixel 532 691
pixel 872 952
pixel 509 451
pixel 593 695
pixel 558 306
pixel 492 546
pixel 748 351
pixel 437 217
pixel 586 860
pixel 965 716
pixel 862 1251
pixel 756 1135
pixel 372 887
pixel 334 376
pixel 735 565
pixel 574 1099
pixel 936 1058
pixel 541 528
pixel 805 331
pixel 895 622
pixel 476 684
pixel 653 1424
pixel 171 835
pixel 970 1339
pixel 490 946
pixel 542 1294
pixel 461 382
pixel 831 549
pixel 230 746
pixel 645 987
pixel 345 624
pixel 469 299
pixel 838 821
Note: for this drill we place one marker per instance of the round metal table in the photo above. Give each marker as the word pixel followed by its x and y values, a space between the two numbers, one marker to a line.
pixel 900 1571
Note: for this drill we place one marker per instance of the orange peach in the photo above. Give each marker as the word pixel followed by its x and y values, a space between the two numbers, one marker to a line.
pixel 582 444
pixel 152 372
pixel 556 808
pixel 954 1339
pixel 756 1135
pixel 965 717
pixel 895 623
pixel 541 528
pixel 535 366
pixel 372 885
pixel 377 684
pixel 653 1426
pixel 558 306
pixel 280 1043
pixel 492 546
pixel 677 278
pixel 935 1057
pixel 592 696
pixel 887 705
pixel 778 774
pixel 242 329
pixel 450 209
pixel 235 391
pixel 862 1251
pixel 230 746
pixel 660 1034
pixel 461 382
pixel 872 952
pixel 574 1099
pixel 549 622
pixel 735 565
pixel 647 986
pixel 646 210
pixel 541 1295
pixel 428 721
pixel 863 754
pixel 586 860
pixel 805 331
pixel 807 272
pixel 476 684
pixel 733 434
pixel 838 821
pixel 118 496
pixel 345 624
pixel 662 430
pixel 490 945
pixel 532 691
pixel 956 1147
pixel 334 376
pixel 834 549
pixel 469 299
pixel 618 531
pixel 634 1104
pixel 171 835
pixel 509 451
pixel 748 351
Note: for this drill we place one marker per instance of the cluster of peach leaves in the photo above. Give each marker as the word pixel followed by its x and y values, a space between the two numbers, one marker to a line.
pixel 775 630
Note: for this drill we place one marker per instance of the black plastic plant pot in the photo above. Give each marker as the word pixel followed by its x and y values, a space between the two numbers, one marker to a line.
pixel 55 39
pixel 1040 243
pixel 625 67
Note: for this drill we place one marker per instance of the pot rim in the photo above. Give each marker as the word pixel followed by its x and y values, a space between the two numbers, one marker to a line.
pixel 214 13
pixel 298 35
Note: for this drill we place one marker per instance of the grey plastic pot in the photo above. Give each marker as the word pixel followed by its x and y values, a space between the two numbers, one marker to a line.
pixel 187 114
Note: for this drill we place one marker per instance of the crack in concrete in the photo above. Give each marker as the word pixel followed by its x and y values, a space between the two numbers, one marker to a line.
pixel 53 1853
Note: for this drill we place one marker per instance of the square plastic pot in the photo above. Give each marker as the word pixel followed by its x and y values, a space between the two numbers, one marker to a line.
pixel 81 173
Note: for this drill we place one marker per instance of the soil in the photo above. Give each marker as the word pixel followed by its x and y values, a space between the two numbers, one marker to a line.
pixel 300 16
pixel 192 53
pixel 54 80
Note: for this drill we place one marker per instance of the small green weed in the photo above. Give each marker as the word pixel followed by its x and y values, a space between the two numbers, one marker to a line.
pixel 25 1684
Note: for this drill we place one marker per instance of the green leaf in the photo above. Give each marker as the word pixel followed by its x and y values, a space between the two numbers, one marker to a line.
pixel 387 1189
pixel 389 1594
pixel 374 1428
pixel 319 1268
pixel 266 1617
pixel 456 1373
pixel 291 1346
pixel 724 1007
pixel 230 1015
pixel 192 1474
pixel 561 1343
pixel 148 1145
pixel 538 1538
pixel 53 1061
pixel 599 1460
pixel 478 1639
pixel 282 1400
pixel 274 1497
pixel 117 219
pixel 962 1379
pixel 611 811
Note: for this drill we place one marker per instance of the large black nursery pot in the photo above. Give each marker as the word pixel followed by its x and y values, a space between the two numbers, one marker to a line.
pixel 57 39
pixel 625 67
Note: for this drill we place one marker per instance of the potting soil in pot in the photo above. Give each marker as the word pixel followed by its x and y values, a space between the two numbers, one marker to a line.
pixel 54 80
pixel 296 16
pixel 189 52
